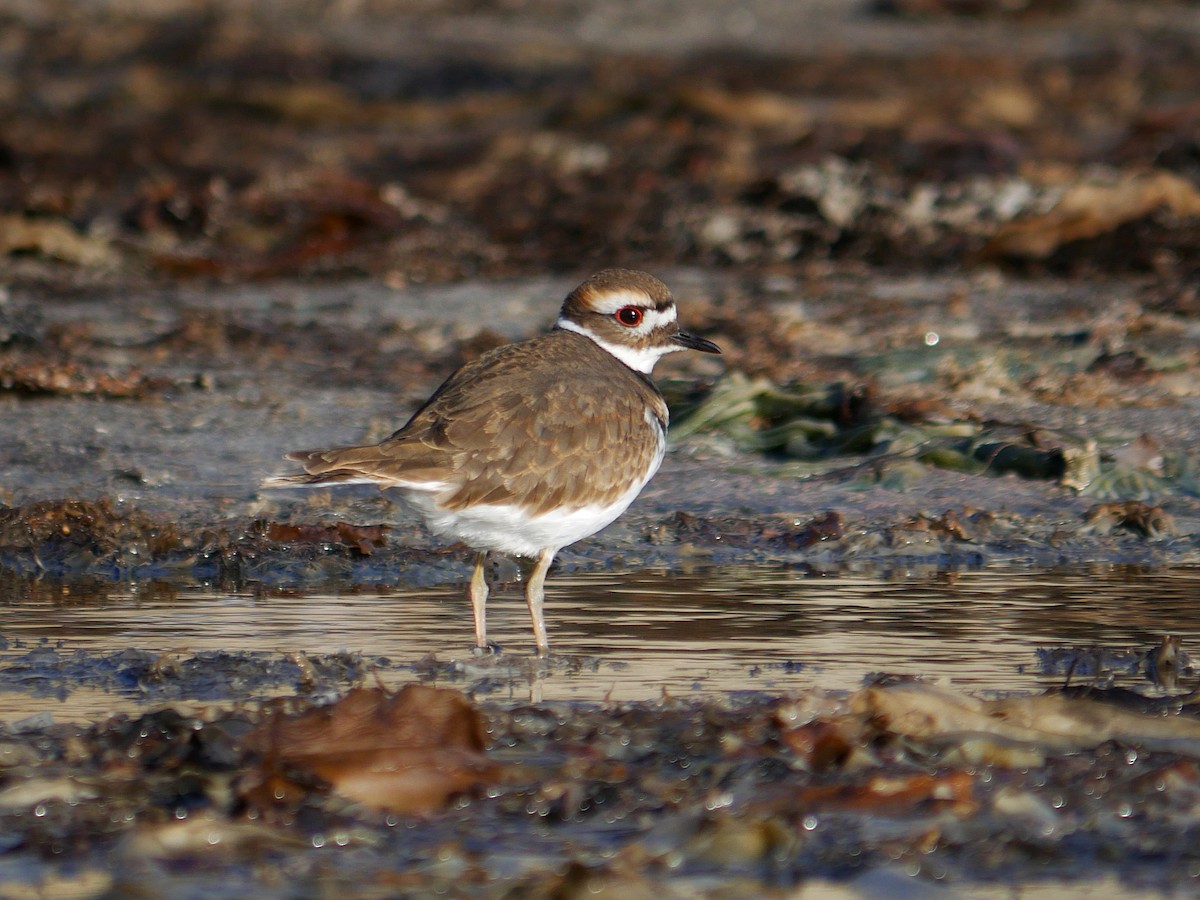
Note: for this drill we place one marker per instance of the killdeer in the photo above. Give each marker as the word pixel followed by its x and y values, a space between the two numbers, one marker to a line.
pixel 537 444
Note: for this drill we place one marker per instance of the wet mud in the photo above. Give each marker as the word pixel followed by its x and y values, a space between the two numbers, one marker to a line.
pixel 951 253
pixel 382 793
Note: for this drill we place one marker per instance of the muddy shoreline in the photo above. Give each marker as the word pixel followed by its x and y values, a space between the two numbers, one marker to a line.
pixel 223 381
pixel 950 250
pixel 956 243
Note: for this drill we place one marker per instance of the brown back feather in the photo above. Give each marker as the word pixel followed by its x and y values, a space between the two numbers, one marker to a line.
pixel 543 423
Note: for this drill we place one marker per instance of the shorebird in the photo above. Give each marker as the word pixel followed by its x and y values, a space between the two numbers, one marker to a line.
pixel 534 445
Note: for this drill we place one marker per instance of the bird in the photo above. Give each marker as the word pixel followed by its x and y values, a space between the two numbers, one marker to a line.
pixel 533 445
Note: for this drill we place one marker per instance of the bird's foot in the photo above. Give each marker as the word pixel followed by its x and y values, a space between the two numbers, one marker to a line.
pixel 490 649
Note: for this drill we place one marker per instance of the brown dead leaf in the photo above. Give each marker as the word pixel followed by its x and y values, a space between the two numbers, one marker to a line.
pixel 1133 515
pixel 1050 722
pixel 1008 104
pixel 950 524
pixel 873 112
pixel 1125 365
pixel 56 239
pixel 362 538
pixel 408 752
pixel 756 109
pixel 1091 208
pixel 208 832
pixel 824 746
pixel 826 527
pixel 316 220
pixel 895 794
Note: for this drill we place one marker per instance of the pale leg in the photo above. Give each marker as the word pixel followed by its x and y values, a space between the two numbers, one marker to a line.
pixel 535 596
pixel 478 592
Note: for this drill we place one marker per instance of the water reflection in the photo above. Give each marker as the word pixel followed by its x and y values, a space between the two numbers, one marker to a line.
pixel 640 635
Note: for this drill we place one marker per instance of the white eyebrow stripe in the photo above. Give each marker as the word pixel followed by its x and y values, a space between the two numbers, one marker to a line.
pixel 608 303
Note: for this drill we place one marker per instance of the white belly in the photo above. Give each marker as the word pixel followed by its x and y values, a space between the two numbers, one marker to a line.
pixel 509 529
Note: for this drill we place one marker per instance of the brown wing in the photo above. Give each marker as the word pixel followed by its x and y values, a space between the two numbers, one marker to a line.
pixel 550 422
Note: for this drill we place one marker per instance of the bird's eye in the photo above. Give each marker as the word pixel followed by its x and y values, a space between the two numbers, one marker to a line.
pixel 629 316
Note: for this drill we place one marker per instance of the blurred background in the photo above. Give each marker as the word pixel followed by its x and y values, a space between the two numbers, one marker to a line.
pixel 426 141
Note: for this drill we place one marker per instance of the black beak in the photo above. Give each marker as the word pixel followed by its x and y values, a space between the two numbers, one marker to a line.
pixel 683 339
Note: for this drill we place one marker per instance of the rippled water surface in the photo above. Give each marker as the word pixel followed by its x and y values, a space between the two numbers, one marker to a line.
pixel 636 636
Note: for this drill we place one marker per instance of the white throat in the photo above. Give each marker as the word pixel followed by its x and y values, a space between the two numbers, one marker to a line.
pixel 640 359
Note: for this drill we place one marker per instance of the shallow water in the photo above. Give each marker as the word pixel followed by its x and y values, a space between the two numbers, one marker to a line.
pixel 632 636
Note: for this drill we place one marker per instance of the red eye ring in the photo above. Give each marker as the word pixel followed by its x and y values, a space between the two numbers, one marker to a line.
pixel 629 316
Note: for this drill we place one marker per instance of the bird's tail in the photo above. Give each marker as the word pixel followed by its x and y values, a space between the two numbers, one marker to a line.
pixel 318 472
pixel 304 479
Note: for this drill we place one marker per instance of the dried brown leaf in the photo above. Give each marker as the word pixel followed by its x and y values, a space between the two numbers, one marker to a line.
pixel 362 538
pixel 1133 515
pixel 899 794
pixel 758 109
pixel 1091 208
pixel 1050 722
pixel 409 752
pixel 56 239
